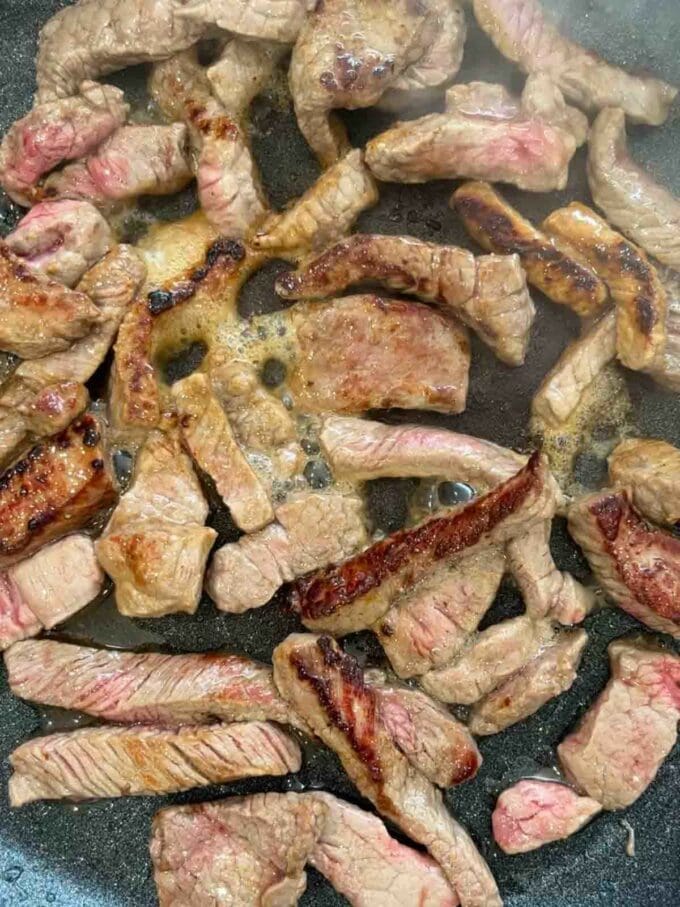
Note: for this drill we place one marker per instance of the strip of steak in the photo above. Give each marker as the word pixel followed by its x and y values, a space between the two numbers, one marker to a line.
pixel 488 294
pixel 136 160
pixel 521 32
pixel 636 565
pixel 145 688
pixel 635 286
pixel 54 490
pixel 404 355
pixel 550 674
pixel 39 316
pixel 531 814
pixel 48 588
pixel 311 530
pixel 651 470
pixel 96 37
pixel 490 658
pixel 156 545
pixel 61 239
pixel 242 70
pixel 551 266
pixel 327 687
pixel 429 625
pixel 666 368
pixel 271 20
pixel 325 212
pixel 620 743
pixel 121 762
pixel 210 440
pixel 354 595
pixel 631 200
pixel 486 134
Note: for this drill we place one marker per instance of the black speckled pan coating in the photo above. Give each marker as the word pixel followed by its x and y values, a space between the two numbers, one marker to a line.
pixel 96 855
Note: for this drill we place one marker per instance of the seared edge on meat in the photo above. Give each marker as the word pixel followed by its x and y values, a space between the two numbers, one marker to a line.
pixel 551 266
pixel 327 687
pixel 651 470
pixel 120 762
pixel 636 565
pixel 531 814
pixel 523 34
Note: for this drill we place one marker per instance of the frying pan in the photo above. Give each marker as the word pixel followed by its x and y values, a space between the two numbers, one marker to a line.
pixel 97 854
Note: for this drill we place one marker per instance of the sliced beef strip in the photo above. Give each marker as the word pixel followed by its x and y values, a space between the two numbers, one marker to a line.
pixel 61 239
pixel 489 659
pixel 429 625
pixel 54 490
pixel 242 70
pixel 404 355
pixel 96 37
pixel 531 814
pixel 550 674
pixel 119 762
pixel 551 266
pixel 136 160
pixel 324 213
pixel 634 283
pixel 488 294
pixel 354 595
pixel 39 316
pixel 487 134
pixel 651 470
pixel 666 368
pixel 156 545
pixel 311 531
pixel 632 201
pixel 523 34
pixel 145 688
pixel 208 435
pixel 636 565
pixel 616 750
pixel 270 20
pixel 48 588
pixel 327 687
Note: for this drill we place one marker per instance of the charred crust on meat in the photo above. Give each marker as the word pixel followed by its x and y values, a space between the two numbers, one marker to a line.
pixel 645 314
pixel 322 593
pixel 465 767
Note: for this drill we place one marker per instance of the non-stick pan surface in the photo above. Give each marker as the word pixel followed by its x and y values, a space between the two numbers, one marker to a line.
pixel 97 854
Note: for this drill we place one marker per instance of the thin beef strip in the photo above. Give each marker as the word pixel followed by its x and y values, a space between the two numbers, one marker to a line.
pixel 636 565
pixel 651 470
pixel 327 687
pixel 271 20
pixel 242 70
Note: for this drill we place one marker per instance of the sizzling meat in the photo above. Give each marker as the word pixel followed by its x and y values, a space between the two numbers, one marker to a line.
pixel 242 71
pixel 325 212
pixel 550 674
pixel 485 133
pixel 551 266
pixel 521 32
pixel 355 594
pixel 144 688
pixel 311 531
pixel 666 368
pixel 210 440
pixel 428 625
pixel 637 566
pixel 579 365
pixel 631 200
pixel 533 813
pixel 122 762
pixel 490 658
pixel 136 160
pixel 96 37
pixel 488 294
pixel 54 490
pixel 651 470
pixel 39 316
pixel 348 53
pixel 403 354
pixel 271 20
pixel 617 749
pixel 58 131
pixel 326 686
pixel 61 239
pixel 633 281
pixel 48 588
pixel 155 545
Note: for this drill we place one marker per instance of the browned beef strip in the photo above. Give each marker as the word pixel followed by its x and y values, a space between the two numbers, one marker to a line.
pixel 327 687
pixel 651 469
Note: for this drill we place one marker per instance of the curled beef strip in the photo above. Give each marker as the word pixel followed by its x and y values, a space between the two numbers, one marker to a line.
pixel 270 20
pixel 651 470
